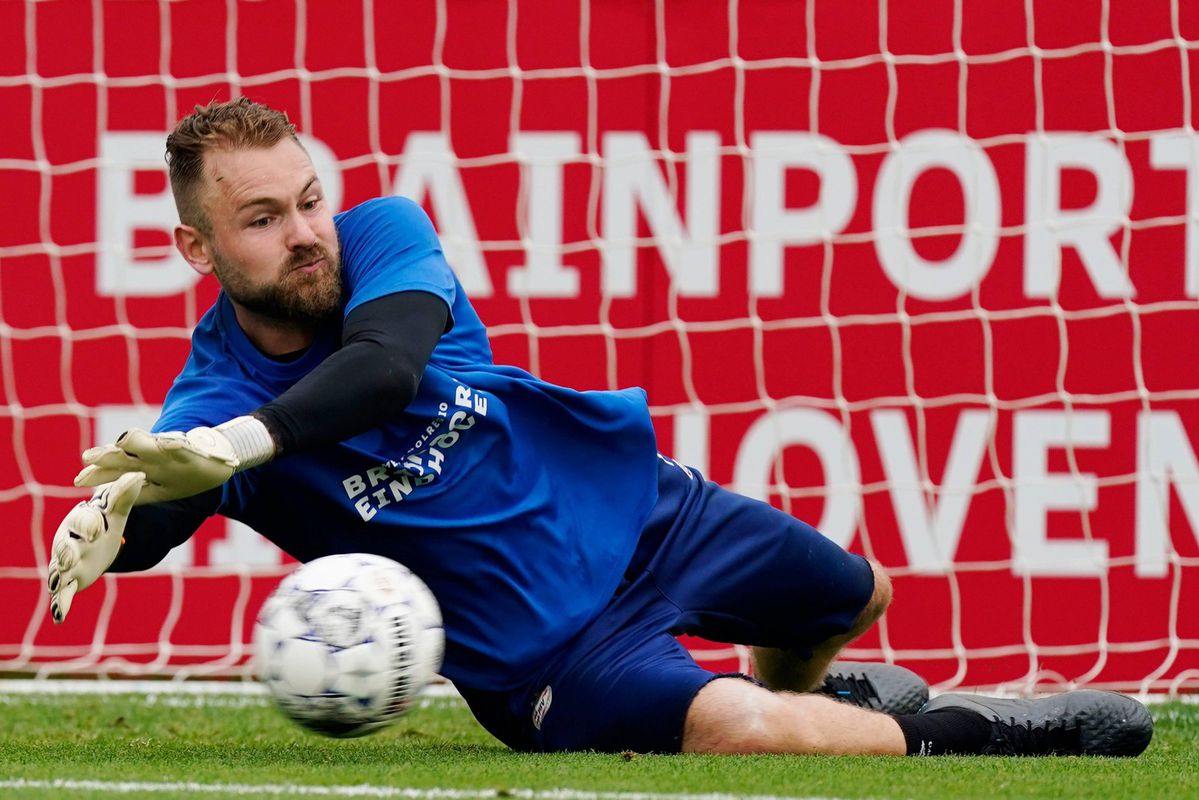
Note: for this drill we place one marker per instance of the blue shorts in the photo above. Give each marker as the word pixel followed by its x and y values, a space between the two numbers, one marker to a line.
pixel 709 563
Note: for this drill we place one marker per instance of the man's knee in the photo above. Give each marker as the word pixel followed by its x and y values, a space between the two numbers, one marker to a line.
pixel 735 716
pixel 880 599
pixel 730 715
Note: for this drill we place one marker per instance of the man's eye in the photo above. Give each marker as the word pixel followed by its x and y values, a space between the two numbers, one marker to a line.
pixel 261 222
pixel 309 205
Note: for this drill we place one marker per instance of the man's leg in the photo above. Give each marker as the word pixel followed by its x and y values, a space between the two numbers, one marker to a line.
pixel 731 715
pixel 743 571
pixel 786 670
pixel 735 716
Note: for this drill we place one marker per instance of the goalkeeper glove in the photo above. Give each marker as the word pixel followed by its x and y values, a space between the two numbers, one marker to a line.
pixel 178 464
pixel 88 540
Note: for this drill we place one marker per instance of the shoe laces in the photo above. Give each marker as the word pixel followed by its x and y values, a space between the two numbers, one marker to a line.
pixel 1025 738
pixel 858 690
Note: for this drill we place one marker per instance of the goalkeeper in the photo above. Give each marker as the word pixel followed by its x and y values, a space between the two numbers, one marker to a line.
pixel 340 396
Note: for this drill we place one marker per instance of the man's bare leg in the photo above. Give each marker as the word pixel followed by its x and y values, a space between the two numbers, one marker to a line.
pixel 730 715
pixel 787 671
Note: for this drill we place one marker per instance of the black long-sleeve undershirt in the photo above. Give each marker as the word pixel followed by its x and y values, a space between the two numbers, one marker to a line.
pixel 153 531
pixel 386 344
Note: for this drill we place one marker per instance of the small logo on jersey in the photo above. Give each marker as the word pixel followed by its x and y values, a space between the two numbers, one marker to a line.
pixel 674 463
pixel 542 706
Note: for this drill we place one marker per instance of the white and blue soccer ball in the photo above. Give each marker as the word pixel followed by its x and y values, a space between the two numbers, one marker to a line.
pixel 346 642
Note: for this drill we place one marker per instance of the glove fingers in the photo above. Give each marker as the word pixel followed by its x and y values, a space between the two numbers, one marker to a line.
pixel 136 441
pixel 131 450
pixel 176 446
pixel 60 601
pixel 104 464
pixel 123 491
pixel 85 522
pixel 98 476
pixel 54 578
pixel 112 458
pixel 94 454
pixel 152 493
pixel 61 584
pixel 88 538
pixel 66 556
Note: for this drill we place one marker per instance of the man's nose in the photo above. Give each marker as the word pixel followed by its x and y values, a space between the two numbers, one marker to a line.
pixel 299 233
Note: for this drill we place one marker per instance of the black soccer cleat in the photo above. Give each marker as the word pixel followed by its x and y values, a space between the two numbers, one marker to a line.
pixel 1084 722
pixel 887 688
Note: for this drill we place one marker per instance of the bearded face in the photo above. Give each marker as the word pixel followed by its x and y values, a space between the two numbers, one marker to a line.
pixel 306 289
pixel 272 241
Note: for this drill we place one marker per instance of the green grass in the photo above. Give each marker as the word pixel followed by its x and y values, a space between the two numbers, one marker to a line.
pixel 229 740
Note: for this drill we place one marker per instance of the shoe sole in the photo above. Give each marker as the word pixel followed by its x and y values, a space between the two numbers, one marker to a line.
pixel 1110 724
pixel 900 691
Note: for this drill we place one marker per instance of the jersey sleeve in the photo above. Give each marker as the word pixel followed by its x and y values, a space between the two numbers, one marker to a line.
pixel 194 402
pixel 389 245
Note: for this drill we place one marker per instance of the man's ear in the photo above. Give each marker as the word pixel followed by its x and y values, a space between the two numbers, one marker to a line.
pixel 193 246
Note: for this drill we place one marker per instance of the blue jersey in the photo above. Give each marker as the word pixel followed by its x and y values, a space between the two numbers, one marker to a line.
pixel 519 502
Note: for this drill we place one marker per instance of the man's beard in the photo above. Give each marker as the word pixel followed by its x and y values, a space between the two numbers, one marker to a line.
pixel 296 297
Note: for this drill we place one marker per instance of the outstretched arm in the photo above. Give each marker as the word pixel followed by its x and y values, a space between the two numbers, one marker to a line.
pixel 386 345
pixel 152 531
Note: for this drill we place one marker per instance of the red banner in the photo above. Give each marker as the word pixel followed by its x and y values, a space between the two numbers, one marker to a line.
pixel 925 277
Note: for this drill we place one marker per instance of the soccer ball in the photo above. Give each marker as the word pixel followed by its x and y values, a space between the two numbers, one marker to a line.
pixel 346 642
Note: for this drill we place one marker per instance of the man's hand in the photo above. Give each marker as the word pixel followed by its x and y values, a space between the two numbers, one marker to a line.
pixel 174 464
pixel 88 540
pixel 177 464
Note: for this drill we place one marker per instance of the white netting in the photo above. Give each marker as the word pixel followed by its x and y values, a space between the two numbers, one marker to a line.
pixel 923 274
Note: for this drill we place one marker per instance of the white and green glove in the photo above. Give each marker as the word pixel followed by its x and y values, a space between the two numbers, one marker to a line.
pixel 178 464
pixel 87 541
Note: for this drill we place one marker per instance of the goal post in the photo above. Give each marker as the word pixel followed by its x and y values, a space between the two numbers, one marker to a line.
pixel 925 275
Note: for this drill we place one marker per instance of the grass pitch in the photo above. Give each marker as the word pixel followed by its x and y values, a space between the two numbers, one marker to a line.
pixel 157 746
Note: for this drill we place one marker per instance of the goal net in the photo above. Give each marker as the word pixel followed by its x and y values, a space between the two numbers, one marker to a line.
pixel 924 274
